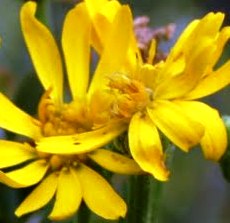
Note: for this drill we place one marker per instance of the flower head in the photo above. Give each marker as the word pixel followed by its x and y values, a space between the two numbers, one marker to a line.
pixel 72 133
pixel 161 97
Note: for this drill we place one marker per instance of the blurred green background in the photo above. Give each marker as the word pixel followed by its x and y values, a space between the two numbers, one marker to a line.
pixel 197 191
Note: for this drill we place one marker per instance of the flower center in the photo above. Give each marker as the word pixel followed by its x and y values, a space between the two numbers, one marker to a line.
pixel 59 161
pixel 65 120
pixel 130 96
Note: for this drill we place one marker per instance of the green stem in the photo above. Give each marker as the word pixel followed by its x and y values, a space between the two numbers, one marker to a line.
pixel 144 199
pixel 154 201
pixel 138 199
pixel 145 194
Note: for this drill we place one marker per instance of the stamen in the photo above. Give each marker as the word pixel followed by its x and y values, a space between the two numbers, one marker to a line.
pixel 56 162
pixel 130 96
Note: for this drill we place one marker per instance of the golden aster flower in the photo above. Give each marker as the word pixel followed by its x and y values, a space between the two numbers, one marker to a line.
pixel 102 13
pixel 162 97
pixel 63 172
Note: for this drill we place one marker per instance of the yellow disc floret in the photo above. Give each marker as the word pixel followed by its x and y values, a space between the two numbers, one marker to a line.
pixel 66 119
pixel 130 96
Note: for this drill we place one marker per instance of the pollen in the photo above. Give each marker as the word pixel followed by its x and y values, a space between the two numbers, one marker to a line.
pixel 67 119
pixel 130 96
pixel 60 120
pixel 56 162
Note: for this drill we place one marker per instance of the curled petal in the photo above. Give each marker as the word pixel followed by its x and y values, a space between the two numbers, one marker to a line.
pixel 100 197
pixel 214 141
pixel 95 6
pixel 211 83
pixel 145 146
pixel 194 67
pixel 207 27
pixel 12 153
pixel 200 45
pixel 17 121
pixel 114 55
pixel 180 43
pixel 25 176
pixel 220 42
pixel 43 51
pixel 81 143
pixel 102 24
pixel 181 129
pixel 114 162
pixel 40 196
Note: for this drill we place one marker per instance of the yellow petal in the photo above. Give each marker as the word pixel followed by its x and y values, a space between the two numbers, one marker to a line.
pixel 211 83
pixel 12 153
pixel 152 51
pixel 109 11
pixel 104 7
pixel 40 196
pixel 99 196
pixel 221 40
pixel 145 146
pixel 114 53
pixel 214 141
pixel 181 42
pixel 17 121
pixel 175 62
pixel 182 130
pixel 102 18
pixel 43 51
pixel 76 47
pixel 208 26
pixel 194 34
pixel 100 106
pixel 148 74
pixel 194 68
pixel 95 6
pixel 102 26
pixel 81 143
pixel 115 162
pixel 25 176
pixel 68 196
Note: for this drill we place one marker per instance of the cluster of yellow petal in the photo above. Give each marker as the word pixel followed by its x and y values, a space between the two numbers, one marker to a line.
pixel 129 96
pixel 66 119
pixel 125 94
pixel 172 87
pixel 66 137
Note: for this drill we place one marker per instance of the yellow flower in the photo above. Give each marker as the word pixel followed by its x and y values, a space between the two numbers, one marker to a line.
pixel 103 13
pixel 63 171
pixel 161 97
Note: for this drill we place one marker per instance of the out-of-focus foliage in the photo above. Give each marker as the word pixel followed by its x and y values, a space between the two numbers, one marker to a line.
pixel 225 160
